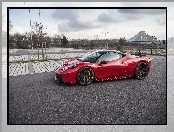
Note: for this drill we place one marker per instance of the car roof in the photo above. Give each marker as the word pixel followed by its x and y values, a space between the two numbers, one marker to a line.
pixel 106 51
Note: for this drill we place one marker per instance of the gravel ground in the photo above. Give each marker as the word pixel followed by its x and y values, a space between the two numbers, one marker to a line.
pixel 37 99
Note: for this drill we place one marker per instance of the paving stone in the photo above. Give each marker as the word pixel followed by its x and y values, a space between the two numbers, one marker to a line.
pixel 18 69
pixel 18 58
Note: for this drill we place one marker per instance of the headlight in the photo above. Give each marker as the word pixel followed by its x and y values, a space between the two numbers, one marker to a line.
pixel 72 66
pixel 64 69
pixel 68 67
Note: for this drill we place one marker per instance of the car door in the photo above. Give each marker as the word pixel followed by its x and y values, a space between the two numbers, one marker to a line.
pixel 113 66
pixel 101 71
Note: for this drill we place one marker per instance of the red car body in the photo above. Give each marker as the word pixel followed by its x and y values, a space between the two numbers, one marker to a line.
pixel 111 70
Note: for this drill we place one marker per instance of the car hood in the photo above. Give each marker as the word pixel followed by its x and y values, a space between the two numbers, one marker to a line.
pixel 73 61
pixel 69 64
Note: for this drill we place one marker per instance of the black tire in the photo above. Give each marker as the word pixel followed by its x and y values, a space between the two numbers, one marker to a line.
pixel 85 76
pixel 141 70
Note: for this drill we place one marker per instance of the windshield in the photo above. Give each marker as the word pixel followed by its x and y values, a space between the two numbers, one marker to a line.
pixel 91 57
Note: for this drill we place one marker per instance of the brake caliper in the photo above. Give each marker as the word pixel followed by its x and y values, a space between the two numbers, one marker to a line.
pixel 89 74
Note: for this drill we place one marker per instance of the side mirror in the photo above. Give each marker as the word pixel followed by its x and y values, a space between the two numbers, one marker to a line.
pixel 103 62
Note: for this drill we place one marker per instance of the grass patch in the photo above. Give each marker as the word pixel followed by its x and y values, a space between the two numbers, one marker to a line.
pixel 27 61
pixel 144 54
pixel 157 55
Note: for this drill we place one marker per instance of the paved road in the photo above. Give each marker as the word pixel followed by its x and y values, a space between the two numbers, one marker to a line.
pixel 37 99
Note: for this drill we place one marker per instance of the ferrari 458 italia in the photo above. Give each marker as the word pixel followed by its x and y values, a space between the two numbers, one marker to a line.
pixel 103 65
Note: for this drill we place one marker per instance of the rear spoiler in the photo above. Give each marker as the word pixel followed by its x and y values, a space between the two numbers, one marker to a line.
pixel 139 54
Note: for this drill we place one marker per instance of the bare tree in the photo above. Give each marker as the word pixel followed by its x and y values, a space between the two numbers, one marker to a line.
pixel 121 43
pixel 38 30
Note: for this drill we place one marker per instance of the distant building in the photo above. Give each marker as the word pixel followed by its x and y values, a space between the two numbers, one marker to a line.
pixel 143 38
pixel 162 44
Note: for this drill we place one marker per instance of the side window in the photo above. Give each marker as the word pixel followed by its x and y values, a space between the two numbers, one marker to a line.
pixel 117 56
pixel 109 57
pixel 105 57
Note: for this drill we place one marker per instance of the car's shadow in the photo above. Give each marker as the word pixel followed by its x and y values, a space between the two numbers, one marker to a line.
pixel 97 82
pixel 122 79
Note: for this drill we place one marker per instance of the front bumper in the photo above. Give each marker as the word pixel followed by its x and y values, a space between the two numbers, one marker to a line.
pixel 58 78
pixel 65 77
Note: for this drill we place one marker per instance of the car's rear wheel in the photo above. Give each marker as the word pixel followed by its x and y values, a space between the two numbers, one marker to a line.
pixel 141 70
pixel 85 76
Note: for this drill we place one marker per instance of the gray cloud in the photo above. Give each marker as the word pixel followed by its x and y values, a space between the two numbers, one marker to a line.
pixel 118 17
pixel 75 25
pixel 65 14
pixel 63 27
pixel 142 11
pixel 72 25
pixel 72 16
pixel 105 18
pixel 137 14
pixel 129 17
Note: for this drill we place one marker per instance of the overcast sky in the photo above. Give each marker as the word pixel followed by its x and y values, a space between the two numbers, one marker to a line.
pixel 93 23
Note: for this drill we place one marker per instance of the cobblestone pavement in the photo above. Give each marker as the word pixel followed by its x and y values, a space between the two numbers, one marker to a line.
pixel 16 69
pixel 46 66
pixel 18 58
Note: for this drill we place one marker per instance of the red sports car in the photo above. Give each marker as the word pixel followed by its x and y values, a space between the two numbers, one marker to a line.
pixel 103 65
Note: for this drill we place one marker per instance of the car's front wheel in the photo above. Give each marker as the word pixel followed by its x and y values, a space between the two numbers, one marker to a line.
pixel 141 70
pixel 85 76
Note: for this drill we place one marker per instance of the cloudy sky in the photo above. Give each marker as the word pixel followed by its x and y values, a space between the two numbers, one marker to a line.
pixel 93 23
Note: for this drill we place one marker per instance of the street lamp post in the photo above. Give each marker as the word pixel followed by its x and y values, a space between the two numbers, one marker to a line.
pixel 45 47
pixel 42 52
pixel 106 40
pixel 38 50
